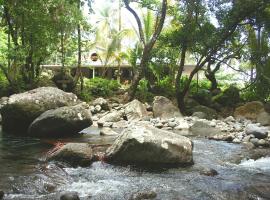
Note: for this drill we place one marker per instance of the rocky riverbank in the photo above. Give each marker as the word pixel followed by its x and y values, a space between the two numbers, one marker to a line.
pixel 158 131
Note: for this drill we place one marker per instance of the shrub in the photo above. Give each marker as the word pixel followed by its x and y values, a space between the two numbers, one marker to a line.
pixel 143 93
pixel 165 87
pixel 100 87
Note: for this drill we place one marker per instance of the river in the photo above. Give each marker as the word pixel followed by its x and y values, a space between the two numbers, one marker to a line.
pixel 25 175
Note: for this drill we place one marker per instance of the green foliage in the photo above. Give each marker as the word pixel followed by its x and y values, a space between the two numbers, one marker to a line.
pixel 143 93
pixel 100 87
pixel 4 90
pixel 229 97
pixel 165 87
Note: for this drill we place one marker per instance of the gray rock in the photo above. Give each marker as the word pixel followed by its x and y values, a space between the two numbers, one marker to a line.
pixel 22 109
pixel 159 125
pixel 143 195
pixel 258 132
pixel 98 108
pixel 172 124
pixel 108 131
pixel 75 154
pixel 254 141
pixel 209 112
pixel 209 172
pixel 262 142
pixel 236 140
pixel 120 124
pixel 69 196
pixel 114 116
pixel 202 128
pixel 143 144
pixel 263 118
pixel 103 103
pixel 199 115
pixel 229 119
pixel 164 108
pixel 64 121
pixel 135 110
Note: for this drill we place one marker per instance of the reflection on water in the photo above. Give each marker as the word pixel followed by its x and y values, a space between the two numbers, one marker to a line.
pixel 25 175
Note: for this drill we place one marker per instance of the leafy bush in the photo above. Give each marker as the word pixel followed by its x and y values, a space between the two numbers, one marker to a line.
pixel 143 93
pixel 165 87
pixel 100 87
pixel 229 97
pixel 4 86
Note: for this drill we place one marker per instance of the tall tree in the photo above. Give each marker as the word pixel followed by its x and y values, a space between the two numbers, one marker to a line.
pixel 139 72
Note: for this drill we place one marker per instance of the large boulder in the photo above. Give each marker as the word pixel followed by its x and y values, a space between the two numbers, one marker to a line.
pixel 258 132
pixel 75 154
pixel 144 144
pixel 64 121
pixel 249 111
pixel 210 112
pixel 164 108
pixel 20 110
pixel 135 110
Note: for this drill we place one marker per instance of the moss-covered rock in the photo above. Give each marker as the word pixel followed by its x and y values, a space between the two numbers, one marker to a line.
pixel 250 110
pixel 229 97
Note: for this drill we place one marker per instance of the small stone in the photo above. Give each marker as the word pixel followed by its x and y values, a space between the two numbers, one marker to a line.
pixel 93 110
pixel 249 145
pixel 229 119
pixel 213 124
pixel 143 195
pixel 172 124
pixel 247 138
pixel 95 118
pixel 236 140
pixel 98 108
pixel 254 141
pixel 70 196
pixel 209 172
pixel 107 131
pixel 200 115
pixel 159 125
pixel 107 124
pixel 167 128
pixel 262 142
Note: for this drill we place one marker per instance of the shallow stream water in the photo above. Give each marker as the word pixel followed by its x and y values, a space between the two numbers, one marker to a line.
pixel 25 175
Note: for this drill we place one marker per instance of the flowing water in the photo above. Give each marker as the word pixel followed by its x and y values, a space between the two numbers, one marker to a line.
pixel 25 175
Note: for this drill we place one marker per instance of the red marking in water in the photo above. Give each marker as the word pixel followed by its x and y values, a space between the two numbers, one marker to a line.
pixel 56 147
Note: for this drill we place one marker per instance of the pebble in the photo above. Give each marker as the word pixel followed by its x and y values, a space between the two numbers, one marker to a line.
pixel 144 195
pixel 209 172
pixel 70 196
pixel 236 140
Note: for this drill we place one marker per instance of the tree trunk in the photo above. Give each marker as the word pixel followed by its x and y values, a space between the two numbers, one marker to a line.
pixel 78 74
pixel 179 94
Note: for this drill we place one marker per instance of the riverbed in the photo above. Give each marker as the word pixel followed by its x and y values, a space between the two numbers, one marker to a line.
pixel 25 175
